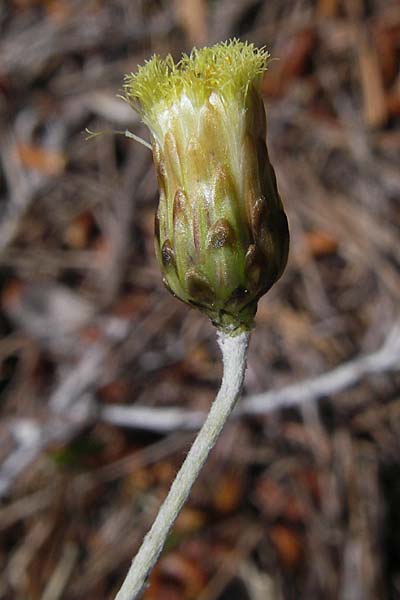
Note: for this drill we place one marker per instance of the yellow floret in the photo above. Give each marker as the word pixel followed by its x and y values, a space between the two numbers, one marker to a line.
pixel 228 68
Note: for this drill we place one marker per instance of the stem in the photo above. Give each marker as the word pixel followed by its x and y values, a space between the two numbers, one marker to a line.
pixel 234 354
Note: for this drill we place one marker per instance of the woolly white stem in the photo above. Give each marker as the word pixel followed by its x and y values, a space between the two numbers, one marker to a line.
pixel 234 353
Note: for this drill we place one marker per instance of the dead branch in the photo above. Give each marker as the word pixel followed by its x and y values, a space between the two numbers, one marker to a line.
pixel 387 358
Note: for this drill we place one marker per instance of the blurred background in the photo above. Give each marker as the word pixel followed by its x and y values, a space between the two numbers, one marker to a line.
pixel 105 377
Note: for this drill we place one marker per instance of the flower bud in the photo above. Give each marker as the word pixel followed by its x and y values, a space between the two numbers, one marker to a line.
pixel 221 234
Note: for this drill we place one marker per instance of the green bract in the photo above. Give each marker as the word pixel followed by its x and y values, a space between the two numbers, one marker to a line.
pixel 221 232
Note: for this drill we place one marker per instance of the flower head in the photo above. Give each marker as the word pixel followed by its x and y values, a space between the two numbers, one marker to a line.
pixel 221 233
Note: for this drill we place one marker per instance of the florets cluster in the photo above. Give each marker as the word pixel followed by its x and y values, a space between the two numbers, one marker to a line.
pixel 229 67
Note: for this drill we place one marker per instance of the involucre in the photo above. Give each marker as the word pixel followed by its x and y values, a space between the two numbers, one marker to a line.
pixel 221 234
